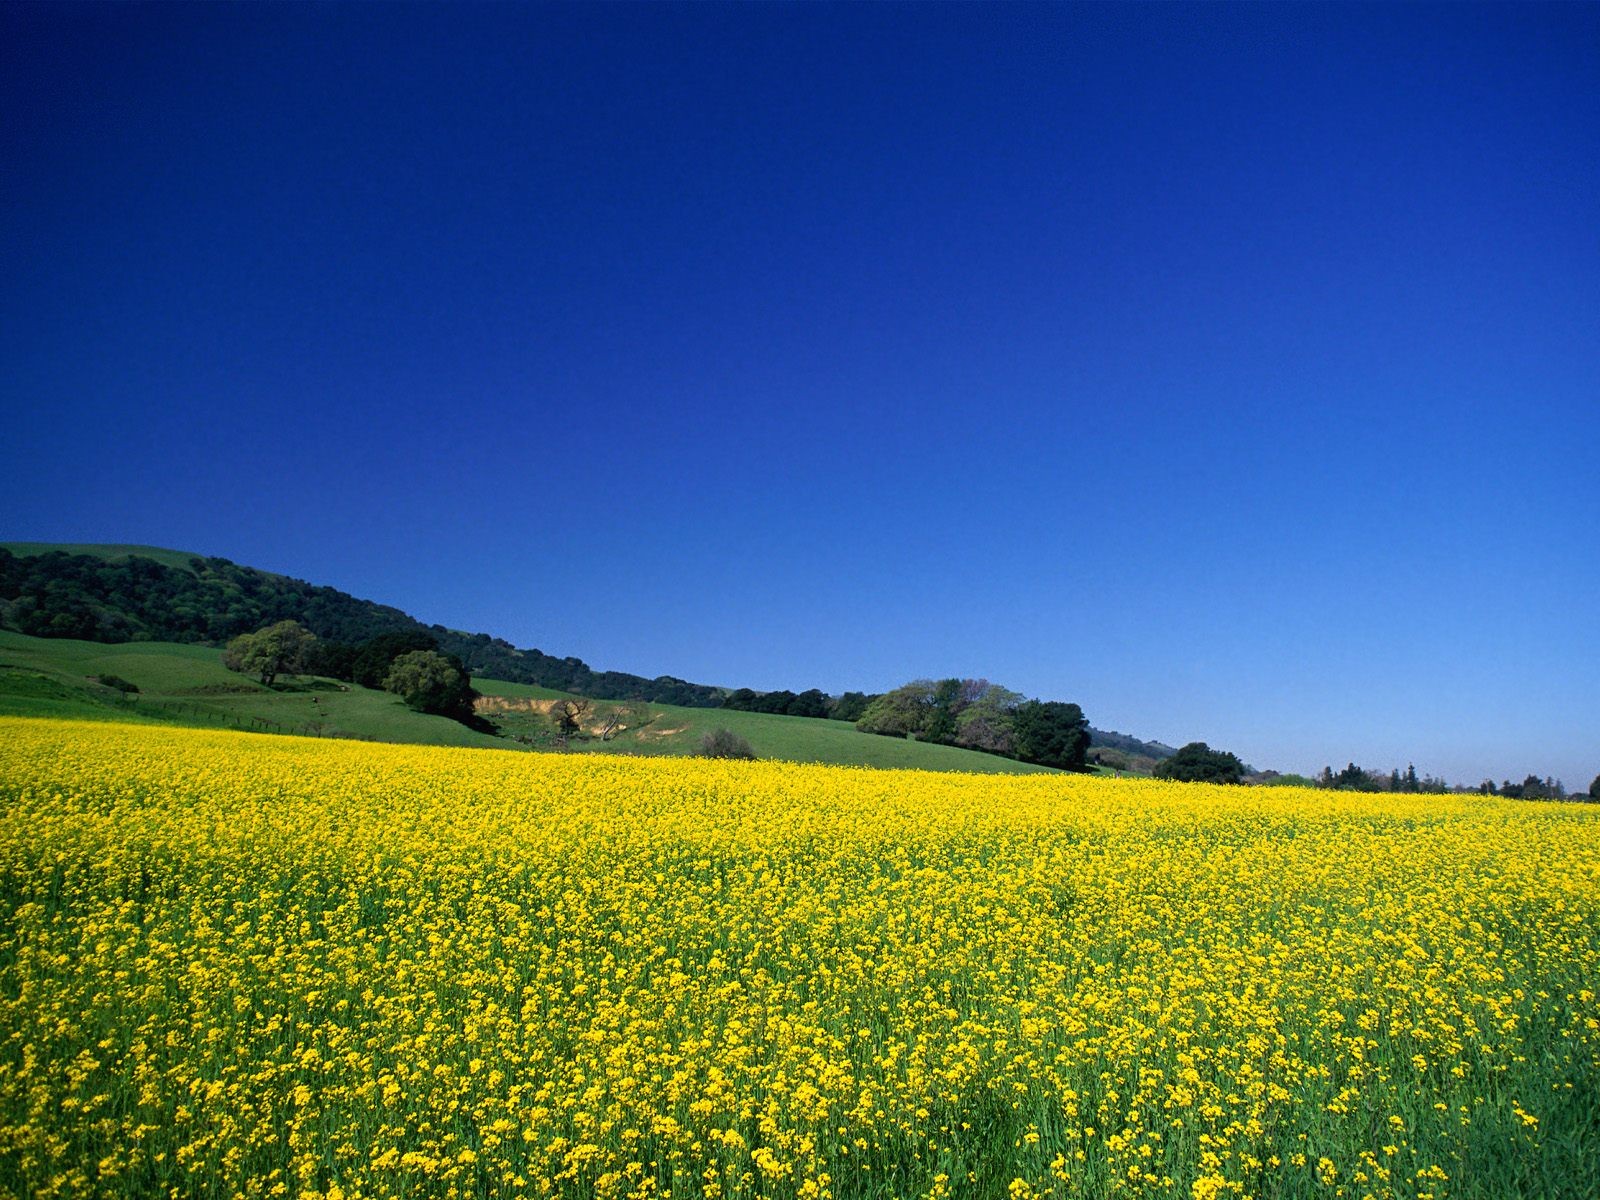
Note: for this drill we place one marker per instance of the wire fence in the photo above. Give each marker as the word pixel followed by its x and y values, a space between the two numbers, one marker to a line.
pixel 189 712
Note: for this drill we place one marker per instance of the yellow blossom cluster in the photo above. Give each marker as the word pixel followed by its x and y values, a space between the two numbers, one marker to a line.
pixel 239 965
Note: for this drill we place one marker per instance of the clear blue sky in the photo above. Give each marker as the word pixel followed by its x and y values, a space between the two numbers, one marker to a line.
pixel 1232 371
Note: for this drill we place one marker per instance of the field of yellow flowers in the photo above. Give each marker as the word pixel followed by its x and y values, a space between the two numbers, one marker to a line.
pixel 240 965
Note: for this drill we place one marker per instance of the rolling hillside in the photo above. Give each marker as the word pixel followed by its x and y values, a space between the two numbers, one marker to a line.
pixel 521 711
pixel 133 596
pixel 188 685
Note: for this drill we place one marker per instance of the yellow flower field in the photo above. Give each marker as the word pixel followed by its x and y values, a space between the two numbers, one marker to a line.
pixel 260 966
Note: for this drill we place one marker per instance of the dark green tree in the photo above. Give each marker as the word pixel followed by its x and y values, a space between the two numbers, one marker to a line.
pixel 1352 779
pixel 1051 733
pixel 948 702
pixel 336 660
pixel 811 703
pixel 1594 789
pixel 430 682
pixel 279 649
pixel 1199 763
pixel 849 706
pixel 376 655
pixel 1534 788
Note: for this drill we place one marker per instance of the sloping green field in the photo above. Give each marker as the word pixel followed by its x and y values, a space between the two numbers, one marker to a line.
pixel 188 685
pixel 667 729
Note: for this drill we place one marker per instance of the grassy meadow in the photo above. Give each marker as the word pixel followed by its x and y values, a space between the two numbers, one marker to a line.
pixel 234 964
pixel 188 685
pixel 656 729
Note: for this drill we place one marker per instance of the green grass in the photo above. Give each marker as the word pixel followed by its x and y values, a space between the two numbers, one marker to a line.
pixel 669 729
pixel 171 558
pixel 188 685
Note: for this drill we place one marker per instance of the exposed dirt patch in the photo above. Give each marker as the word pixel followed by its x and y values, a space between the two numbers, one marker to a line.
pixel 494 704
pixel 607 725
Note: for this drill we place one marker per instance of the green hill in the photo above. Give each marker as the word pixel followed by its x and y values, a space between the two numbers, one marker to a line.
pixel 119 593
pixel 188 685
pixel 131 595
pixel 521 713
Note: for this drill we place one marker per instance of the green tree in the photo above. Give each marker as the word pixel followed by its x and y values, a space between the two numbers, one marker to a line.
pixel 279 649
pixel 375 656
pixel 429 682
pixel 1199 763
pixel 1051 733
pixel 1534 788
pixel 948 701
pixel 811 703
pixel 903 712
pixel 336 660
pixel 849 706
pixel 1351 779
pixel 988 721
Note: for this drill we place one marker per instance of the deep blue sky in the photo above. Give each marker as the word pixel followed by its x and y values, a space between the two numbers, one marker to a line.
pixel 1233 371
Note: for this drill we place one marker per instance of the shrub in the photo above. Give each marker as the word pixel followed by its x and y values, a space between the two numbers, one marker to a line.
pixel 724 743
pixel 118 682
pixel 1199 763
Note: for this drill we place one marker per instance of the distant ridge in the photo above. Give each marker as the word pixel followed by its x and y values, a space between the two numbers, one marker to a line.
pixel 1128 744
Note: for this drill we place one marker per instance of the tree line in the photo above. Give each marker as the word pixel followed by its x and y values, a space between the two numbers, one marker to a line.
pixel 976 714
pixel 408 664
pixel 813 702
pixel 1352 778
pixel 1534 788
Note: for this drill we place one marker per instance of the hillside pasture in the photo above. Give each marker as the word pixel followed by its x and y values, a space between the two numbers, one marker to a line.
pixel 188 685
pixel 665 729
